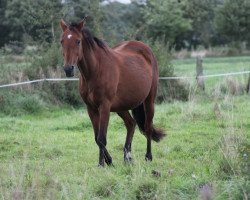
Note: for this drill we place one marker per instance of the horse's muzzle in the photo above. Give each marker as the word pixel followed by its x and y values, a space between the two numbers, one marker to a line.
pixel 69 70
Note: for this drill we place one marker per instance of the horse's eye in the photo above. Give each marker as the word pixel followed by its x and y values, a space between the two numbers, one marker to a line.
pixel 78 42
pixel 61 42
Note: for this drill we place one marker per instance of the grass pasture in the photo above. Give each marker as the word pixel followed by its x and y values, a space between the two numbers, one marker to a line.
pixel 206 154
pixel 212 66
pixel 54 156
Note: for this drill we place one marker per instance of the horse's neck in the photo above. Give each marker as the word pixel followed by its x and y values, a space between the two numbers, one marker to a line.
pixel 88 65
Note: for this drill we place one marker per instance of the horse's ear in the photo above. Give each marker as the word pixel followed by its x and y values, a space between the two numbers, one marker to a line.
pixel 63 25
pixel 80 25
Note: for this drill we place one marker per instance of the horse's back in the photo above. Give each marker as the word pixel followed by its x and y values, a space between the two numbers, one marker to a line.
pixel 136 55
pixel 135 47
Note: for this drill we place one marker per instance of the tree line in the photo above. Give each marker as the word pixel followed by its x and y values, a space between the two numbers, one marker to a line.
pixel 176 23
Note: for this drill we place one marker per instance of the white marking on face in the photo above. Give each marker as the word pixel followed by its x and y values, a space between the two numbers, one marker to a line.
pixel 69 36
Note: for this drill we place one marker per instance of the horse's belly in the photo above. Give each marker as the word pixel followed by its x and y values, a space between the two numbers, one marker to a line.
pixel 131 92
pixel 125 104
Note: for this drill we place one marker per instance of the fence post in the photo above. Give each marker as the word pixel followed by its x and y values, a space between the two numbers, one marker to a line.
pixel 199 73
pixel 248 85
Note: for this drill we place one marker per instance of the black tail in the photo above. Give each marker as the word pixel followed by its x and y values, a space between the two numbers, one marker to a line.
pixel 139 116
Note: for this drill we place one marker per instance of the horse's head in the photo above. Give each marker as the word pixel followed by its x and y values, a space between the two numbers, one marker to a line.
pixel 71 44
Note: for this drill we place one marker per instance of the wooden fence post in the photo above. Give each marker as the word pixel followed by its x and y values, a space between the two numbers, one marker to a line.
pixel 199 73
pixel 248 85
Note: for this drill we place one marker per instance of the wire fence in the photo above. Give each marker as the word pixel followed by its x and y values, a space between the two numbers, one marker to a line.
pixel 161 78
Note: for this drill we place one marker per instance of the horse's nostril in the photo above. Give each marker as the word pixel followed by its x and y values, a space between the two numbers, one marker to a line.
pixel 69 70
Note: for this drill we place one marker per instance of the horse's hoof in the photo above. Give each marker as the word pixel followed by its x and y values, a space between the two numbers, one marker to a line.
pixel 111 165
pixel 127 157
pixel 128 161
pixel 108 161
pixel 101 163
pixel 148 158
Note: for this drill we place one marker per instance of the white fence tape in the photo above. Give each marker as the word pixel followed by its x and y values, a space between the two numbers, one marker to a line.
pixel 205 76
pixel 39 80
pixel 161 78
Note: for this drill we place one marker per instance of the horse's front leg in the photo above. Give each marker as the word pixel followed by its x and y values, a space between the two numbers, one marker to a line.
pixel 95 118
pixel 104 113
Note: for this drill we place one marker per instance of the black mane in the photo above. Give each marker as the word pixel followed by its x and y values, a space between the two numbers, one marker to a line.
pixel 90 39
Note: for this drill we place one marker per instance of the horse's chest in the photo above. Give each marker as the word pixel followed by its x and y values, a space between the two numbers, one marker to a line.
pixel 92 98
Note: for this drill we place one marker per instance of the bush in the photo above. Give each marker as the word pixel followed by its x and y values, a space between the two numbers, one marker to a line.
pixel 168 90
pixel 17 103
pixel 63 92
pixel 14 47
pixel 229 86
pixel 30 104
pixel 46 63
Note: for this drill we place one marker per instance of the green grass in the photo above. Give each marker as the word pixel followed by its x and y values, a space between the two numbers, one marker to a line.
pixel 53 155
pixel 212 65
pixel 187 67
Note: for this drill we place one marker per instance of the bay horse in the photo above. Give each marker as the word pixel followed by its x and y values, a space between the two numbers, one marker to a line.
pixel 116 79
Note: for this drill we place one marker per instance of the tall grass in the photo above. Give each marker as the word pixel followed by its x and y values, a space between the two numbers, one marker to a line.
pixel 39 96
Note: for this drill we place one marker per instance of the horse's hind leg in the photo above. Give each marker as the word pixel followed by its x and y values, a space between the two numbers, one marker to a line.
pixel 130 125
pixel 149 115
pixel 149 112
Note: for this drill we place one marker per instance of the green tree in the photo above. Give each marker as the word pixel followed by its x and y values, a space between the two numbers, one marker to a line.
pixel 33 19
pixel 75 10
pixel 165 20
pixel 121 21
pixel 201 13
pixel 4 27
pixel 233 20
